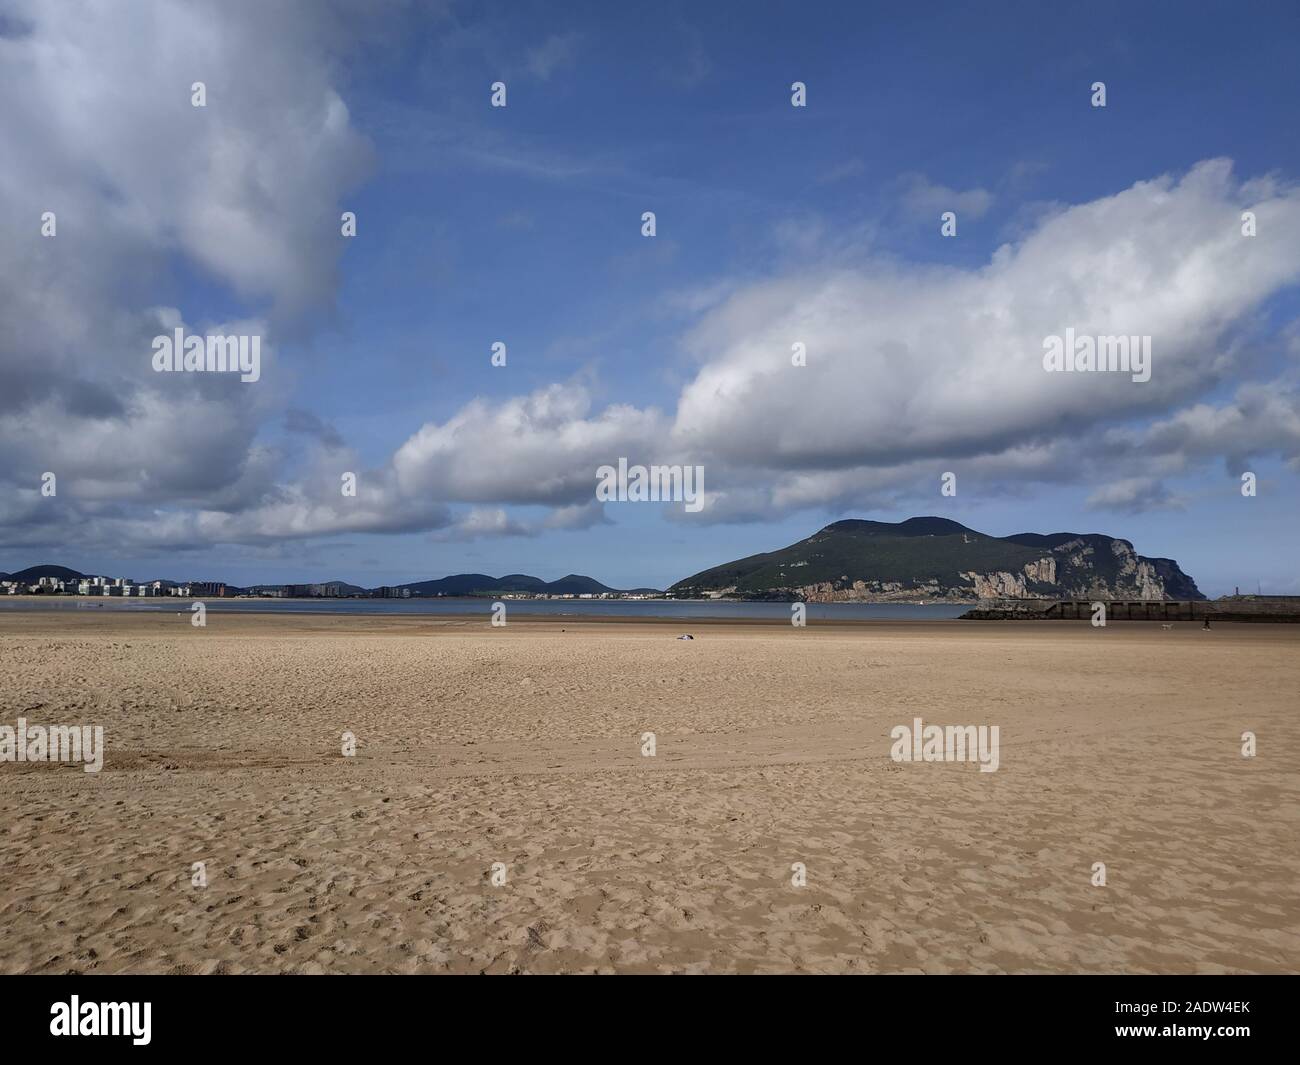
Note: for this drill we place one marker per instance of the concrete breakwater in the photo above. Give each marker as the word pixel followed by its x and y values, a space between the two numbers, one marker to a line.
pixel 1226 608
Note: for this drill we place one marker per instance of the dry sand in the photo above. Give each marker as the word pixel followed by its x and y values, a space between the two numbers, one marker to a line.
pixel 522 745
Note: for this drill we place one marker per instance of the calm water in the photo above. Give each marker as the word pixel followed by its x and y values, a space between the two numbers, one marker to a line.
pixel 571 607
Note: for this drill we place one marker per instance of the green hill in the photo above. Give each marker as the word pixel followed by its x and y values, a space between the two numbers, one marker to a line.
pixel 482 584
pixel 940 559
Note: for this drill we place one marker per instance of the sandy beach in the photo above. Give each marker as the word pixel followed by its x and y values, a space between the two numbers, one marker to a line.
pixel 523 746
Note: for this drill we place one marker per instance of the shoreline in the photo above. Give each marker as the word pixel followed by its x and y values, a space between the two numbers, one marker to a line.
pixel 15 622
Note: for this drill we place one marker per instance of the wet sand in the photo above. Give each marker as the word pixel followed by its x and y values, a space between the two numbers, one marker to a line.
pixel 522 746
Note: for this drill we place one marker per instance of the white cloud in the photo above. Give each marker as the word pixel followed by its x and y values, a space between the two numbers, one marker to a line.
pixel 542 448
pixel 1135 495
pixel 557 51
pixel 913 368
pixel 912 362
pixel 245 191
pixel 481 523
pixel 577 516
pixel 923 198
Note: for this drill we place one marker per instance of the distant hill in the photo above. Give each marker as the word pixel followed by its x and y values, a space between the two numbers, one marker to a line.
pixel 345 587
pixel 483 584
pixel 574 584
pixel 457 584
pixel 35 573
pixel 471 584
pixel 939 559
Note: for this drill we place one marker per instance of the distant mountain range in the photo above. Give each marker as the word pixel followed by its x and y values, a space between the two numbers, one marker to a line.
pixel 461 584
pixel 931 559
pixel 35 573
pixel 482 584
pixel 936 559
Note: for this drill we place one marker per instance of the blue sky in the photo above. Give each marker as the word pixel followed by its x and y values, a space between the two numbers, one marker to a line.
pixel 522 224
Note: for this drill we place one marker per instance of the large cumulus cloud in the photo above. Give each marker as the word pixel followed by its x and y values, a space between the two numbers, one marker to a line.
pixel 98 128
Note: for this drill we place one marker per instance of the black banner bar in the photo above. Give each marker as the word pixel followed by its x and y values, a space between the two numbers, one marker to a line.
pixel 144 1014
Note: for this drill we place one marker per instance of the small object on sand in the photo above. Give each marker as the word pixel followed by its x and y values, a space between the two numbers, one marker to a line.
pixel 1166 626
pixel 686 636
